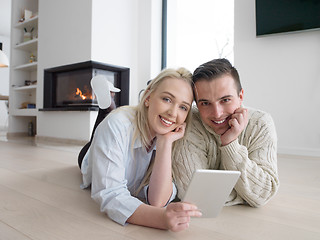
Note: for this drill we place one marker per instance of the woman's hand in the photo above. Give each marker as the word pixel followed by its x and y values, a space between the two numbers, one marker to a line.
pixel 178 215
pixel 174 135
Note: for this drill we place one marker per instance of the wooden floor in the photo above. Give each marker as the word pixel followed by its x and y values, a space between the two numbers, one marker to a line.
pixel 40 198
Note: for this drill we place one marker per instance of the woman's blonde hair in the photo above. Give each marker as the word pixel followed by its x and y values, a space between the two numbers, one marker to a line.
pixel 143 128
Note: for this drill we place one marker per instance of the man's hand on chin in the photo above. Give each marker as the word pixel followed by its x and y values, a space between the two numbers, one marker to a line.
pixel 237 122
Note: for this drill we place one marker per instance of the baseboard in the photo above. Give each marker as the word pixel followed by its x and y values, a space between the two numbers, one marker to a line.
pixel 42 139
pixel 311 152
pixel 17 134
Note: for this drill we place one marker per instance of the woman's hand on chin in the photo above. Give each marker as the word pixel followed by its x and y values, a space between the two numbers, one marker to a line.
pixel 174 135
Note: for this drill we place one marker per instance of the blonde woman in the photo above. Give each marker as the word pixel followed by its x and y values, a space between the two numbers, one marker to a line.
pixel 124 145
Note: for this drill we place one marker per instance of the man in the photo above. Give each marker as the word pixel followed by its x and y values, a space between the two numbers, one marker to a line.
pixel 225 135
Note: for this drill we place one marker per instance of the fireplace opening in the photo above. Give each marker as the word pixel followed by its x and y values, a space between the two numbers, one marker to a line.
pixel 72 88
pixel 67 88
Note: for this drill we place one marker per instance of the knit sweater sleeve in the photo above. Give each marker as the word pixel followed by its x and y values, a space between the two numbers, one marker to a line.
pixel 254 154
pixel 189 154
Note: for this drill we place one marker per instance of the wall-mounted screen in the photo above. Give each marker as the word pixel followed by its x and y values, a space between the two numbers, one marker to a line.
pixel 279 16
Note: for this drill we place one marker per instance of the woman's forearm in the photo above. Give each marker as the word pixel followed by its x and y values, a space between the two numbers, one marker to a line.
pixel 148 216
pixel 160 185
pixel 175 217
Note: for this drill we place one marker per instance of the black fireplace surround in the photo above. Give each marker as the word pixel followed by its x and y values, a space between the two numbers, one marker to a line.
pixel 67 88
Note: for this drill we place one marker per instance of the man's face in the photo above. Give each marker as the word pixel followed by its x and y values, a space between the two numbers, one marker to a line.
pixel 217 100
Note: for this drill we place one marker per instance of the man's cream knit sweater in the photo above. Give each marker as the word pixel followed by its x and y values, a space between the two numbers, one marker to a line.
pixel 254 153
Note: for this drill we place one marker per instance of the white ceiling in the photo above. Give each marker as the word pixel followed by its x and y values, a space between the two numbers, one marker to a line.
pixel 5 17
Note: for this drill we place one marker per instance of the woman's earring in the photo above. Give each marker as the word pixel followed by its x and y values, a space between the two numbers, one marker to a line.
pixel 146 103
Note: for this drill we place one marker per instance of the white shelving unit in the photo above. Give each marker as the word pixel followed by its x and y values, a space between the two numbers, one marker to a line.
pixel 23 67
pixel 27 67
pixel 28 46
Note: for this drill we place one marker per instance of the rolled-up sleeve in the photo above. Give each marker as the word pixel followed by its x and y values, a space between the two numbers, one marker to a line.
pixel 172 197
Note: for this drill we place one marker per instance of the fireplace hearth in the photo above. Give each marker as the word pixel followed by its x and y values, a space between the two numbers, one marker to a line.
pixel 67 88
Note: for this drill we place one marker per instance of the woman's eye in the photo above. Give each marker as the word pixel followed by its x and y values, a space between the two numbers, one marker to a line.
pixel 166 99
pixel 184 108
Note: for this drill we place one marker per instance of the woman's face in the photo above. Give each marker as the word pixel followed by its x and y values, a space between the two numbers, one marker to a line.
pixel 168 105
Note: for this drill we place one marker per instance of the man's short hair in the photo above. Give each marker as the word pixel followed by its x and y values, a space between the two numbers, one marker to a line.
pixel 215 69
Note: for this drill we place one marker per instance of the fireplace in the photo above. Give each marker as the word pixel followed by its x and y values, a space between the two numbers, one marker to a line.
pixel 67 88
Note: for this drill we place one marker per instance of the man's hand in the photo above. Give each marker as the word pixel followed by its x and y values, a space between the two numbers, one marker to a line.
pixel 238 121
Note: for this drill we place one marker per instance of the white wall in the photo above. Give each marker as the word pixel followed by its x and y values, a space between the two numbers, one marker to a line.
pixel 114 32
pixel 64 38
pixel 281 75
pixel 123 33
pixel 4 83
pixel 5 25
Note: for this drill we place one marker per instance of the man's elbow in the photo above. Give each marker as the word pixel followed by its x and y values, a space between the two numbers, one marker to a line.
pixel 263 199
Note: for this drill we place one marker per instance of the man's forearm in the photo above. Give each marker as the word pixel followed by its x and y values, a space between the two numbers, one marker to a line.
pixel 259 179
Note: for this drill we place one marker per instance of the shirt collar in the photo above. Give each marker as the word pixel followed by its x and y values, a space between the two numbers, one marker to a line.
pixel 138 144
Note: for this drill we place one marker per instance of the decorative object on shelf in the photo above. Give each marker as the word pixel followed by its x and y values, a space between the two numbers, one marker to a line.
pixel 27 14
pixel 27 105
pixel 30 82
pixel 30 129
pixel 32 33
pixel 27 82
pixel 31 105
pixel 33 58
pixel 26 35
pixel 4 62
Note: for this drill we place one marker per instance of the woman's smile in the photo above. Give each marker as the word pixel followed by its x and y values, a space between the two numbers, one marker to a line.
pixel 166 122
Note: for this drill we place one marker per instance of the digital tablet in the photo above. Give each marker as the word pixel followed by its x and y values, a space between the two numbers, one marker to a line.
pixel 209 190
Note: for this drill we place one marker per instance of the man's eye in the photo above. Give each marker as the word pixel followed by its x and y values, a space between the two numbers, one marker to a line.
pixel 204 104
pixel 225 100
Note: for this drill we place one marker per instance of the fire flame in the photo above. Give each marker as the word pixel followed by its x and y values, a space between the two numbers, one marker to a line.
pixel 85 94
pixel 80 94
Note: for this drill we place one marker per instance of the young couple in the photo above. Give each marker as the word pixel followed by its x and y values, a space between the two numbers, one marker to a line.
pixel 133 173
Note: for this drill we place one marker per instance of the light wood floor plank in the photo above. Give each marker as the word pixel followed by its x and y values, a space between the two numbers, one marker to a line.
pixel 41 221
pixel 9 233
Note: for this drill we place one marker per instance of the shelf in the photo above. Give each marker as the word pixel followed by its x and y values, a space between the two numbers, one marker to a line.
pixel 32 22
pixel 22 70
pixel 24 112
pixel 29 46
pixel 27 66
pixel 24 88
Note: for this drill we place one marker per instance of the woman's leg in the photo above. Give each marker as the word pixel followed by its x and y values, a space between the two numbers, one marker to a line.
pixel 83 153
pixel 102 113
pixel 101 90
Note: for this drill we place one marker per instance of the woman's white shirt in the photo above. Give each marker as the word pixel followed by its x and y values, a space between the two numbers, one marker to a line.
pixel 115 169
